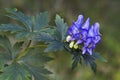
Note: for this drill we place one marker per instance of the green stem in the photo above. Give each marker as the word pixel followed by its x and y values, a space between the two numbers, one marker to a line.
pixel 23 52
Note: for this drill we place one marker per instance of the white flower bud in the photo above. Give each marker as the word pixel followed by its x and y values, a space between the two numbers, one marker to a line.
pixel 68 38
pixel 76 46
pixel 71 44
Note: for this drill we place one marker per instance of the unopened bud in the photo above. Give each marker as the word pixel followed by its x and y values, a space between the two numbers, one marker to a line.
pixel 68 38
pixel 71 44
pixel 76 46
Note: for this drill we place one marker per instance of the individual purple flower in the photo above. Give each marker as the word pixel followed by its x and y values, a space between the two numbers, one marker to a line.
pixel 93 38
pixel 78 30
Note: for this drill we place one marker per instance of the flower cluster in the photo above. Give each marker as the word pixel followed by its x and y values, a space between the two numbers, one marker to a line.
pixel 83 33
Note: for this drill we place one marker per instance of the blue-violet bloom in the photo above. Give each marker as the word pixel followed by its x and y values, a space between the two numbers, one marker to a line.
pixel 93 38
pixel 80 32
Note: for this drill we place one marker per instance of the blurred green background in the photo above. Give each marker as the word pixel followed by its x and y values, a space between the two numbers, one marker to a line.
pixel 106 12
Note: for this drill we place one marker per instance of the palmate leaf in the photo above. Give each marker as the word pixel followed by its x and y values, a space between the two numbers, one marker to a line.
pixel 34 63
pixel 41 21
pixel 32 25
pixel 61 27
pixel 37 73
pixel 57 38
pixel 34 56
pixel 23 68
pixel 17 15
pixel 9 52
pixel 15 71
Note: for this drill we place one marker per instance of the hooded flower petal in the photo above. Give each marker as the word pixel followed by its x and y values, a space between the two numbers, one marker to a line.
pixel 84 49
pixel 73 30
pixel 96 28
pixel 79 21
pixel 79 41
pixel 86 24
pixel 97 39
pixel 91 32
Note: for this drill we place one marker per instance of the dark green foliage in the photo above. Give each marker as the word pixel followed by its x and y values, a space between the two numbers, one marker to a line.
pixel 41 21
pixel 99 57
pixel 57 38
pixel 19 61
pixel 89 60
pixel 23 66
pixel 45 37
pixel 61 27
pixel 54 46
pixel 76 59
pixel 31 25
pixel 15 71
pixel 11 27
pixel 17 15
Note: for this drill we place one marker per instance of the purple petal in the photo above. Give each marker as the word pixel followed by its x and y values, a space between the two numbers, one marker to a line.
pixel 96 28
pixel 89 51
pixel 86 24
pixel 79 41
pixel 84 50
pixel 72 30
pixel 89 40
pixel 84 35
pixel 79 21
pixel 91 32
pixel 97 39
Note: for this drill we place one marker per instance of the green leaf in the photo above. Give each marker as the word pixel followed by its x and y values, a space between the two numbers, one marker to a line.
pixel 93 66
pixel 32 26
pixel 34 62
pixel 6 52
pixel 37 73
pixel 36 57
pixel 41 21
pixel 26 20
pixel 4 59
pixel 45 37
pixel 11 27
pixel 99 57
pixel 57 36
pixel 31 64
pixel 54 46
pixel 5 43
pixel 14 72
pixel 89 60
pixel 61 27
pixel 26 35
pixel 55 40
pixel 76 59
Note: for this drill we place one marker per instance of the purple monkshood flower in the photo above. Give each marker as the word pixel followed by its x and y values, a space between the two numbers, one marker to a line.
pixel 80 32
pixel 93 38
